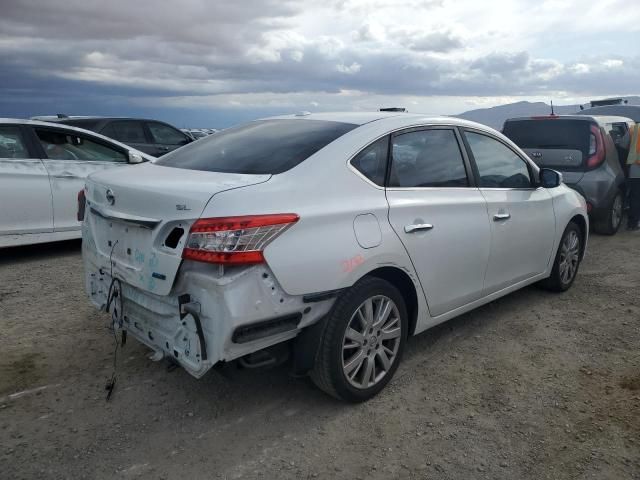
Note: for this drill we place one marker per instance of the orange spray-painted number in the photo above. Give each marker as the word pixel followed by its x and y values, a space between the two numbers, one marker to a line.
pixel 350 264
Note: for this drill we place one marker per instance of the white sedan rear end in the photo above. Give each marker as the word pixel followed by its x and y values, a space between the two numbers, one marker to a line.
pixel 332 237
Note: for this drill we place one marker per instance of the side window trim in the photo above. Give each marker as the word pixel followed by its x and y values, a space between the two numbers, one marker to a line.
pixel 471 179
pixel 533 177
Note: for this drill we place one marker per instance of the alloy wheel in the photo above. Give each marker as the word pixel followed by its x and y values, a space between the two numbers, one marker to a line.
pixel 371 342
pixel 569 257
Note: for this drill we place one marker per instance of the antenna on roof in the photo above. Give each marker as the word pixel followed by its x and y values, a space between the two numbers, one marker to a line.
pixel 552 113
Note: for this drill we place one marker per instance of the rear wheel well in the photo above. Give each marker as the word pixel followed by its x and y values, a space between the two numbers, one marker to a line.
pixel 401 280
pixel 582 225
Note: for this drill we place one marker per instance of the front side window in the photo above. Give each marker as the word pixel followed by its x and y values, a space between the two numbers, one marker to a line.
pixel 126 131
pixel 261 148
pixel 427 158
pixel 65 146
pixel 11 143
pixel 166 135
pixel 372 161
pixel 498 165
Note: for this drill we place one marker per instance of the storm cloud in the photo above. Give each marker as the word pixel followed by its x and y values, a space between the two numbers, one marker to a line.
pixel 89 57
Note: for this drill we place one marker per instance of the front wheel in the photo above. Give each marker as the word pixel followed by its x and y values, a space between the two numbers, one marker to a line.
pixel 567 261
pixel 362 341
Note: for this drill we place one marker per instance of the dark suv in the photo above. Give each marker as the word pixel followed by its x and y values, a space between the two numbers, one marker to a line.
pixel 150 136
pixel 580 148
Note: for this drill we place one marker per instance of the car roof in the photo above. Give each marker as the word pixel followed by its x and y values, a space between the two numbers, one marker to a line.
pixel 35 123
pixel 552 117
pixel 627 111
pixel 611 119
pixel 77 119
pixel 394 119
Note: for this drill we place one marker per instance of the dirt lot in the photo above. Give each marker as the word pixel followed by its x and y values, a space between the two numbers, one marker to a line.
pixel 533 386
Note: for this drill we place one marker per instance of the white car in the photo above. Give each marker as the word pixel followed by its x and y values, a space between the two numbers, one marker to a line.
pixel 340 234
pixel 42 167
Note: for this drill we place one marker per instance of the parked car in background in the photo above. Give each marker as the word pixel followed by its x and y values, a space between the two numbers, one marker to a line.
pixel 620 129
pixel 195 133
pixel 150 136
pixel 582 149
pixel 42 168
pixel 343 233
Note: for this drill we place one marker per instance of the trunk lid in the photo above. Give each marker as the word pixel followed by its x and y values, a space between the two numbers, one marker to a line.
pixel 137 221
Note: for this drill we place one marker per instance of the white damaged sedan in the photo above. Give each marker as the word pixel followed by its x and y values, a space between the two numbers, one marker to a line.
pixel 326 238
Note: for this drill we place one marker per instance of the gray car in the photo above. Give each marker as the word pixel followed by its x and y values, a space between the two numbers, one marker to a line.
pixel 581 148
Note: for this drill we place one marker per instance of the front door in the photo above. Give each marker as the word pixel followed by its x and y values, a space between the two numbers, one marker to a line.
pixel 439 215
pixel 70 158
pixel 520 213
pixel 25 193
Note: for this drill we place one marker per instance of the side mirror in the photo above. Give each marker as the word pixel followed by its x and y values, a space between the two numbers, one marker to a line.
pixel 135 158
pixel 550 178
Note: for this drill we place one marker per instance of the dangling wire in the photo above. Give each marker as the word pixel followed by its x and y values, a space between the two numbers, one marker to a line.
pixel 115 291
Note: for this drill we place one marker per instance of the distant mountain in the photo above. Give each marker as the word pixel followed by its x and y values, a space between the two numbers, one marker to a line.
pixel 495 116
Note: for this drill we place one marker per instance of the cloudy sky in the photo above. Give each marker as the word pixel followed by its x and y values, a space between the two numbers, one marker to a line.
pixel 215 63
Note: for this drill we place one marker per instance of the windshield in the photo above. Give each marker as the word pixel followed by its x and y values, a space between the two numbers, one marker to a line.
pixel 552 134
pixel 261 147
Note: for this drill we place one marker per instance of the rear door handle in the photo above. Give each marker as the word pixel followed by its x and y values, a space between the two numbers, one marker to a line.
pixel 417 227
pixel 498 217
pixel 65 175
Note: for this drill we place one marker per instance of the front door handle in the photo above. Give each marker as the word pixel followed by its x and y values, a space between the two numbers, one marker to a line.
pixel 498 217
pixel 417 227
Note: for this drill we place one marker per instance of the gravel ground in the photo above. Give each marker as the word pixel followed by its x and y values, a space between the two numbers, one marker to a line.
pixel 532 386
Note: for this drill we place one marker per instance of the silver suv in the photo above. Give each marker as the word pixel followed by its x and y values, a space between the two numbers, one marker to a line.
pixel 581 148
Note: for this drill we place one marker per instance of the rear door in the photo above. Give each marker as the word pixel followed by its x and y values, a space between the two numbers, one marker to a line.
pixel 166 138
pixel 439 215
pixel 520 213
pixel 132 133
pixel 25 193
pixel 69 158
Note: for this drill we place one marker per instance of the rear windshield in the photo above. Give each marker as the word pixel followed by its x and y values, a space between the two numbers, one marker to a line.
pixel 261 147
pixel 552 134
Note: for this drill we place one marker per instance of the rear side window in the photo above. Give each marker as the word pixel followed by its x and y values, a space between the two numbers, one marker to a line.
pixel 63 146
pixel 427 158
pixel 498 165
pixel 261 147
pixel 11 143
pixel 372 161
pixel 555 137
pixel 126 132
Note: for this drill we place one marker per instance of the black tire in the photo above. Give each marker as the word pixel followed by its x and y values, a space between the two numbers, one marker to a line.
pixel 610 224
pixel 328 372
pixel 557 282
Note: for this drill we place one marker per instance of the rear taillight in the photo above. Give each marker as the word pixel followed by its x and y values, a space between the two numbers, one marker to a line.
pixel 82 202
pixel 235 240
pixel 596 148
